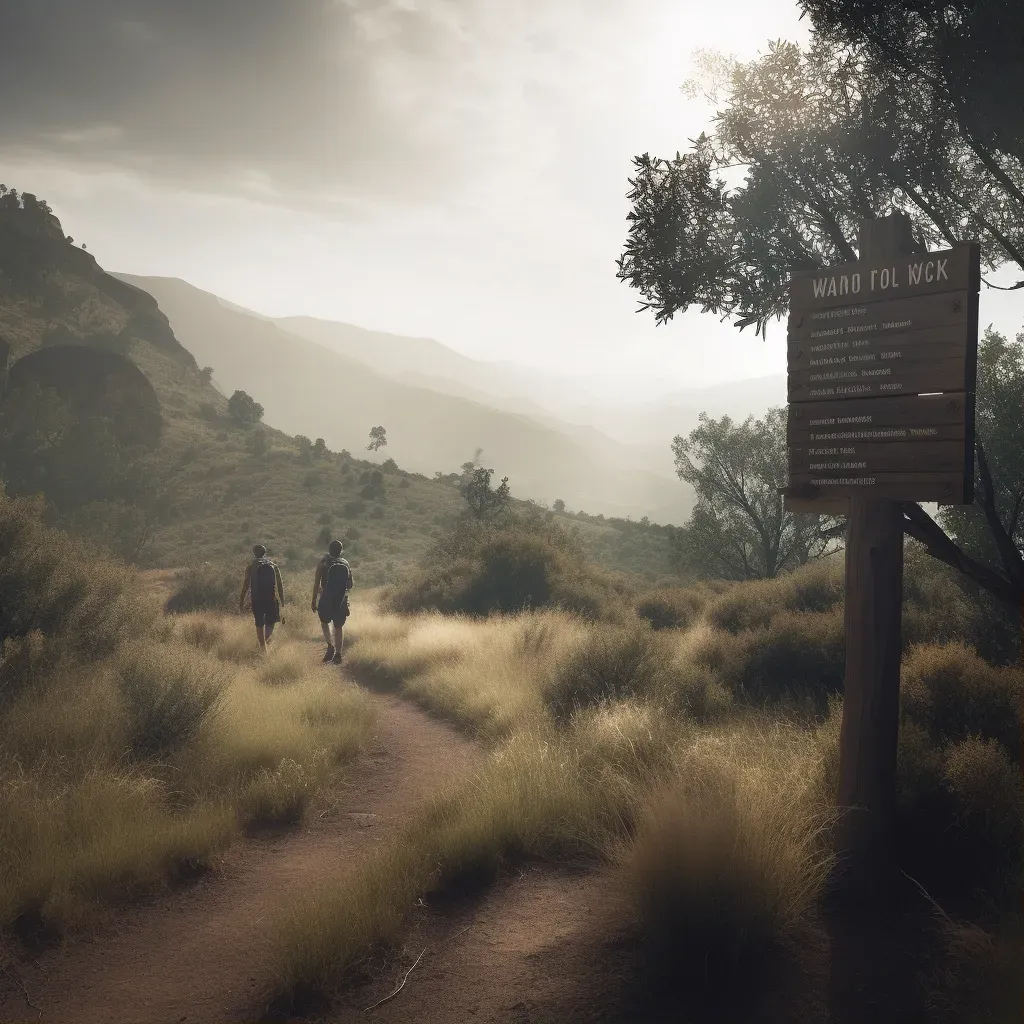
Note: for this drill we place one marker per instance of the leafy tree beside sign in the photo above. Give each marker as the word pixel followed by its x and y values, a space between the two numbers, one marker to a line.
pixel 823 141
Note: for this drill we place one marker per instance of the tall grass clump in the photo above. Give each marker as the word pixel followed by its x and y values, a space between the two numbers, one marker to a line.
pixel 611 664
pixel 518 563
pixel 169 692
pixel 204 587
pixel 673 607
pixel 51 588
pixel 729 866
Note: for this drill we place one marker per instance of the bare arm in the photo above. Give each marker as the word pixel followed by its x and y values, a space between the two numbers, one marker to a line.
pixel 245 586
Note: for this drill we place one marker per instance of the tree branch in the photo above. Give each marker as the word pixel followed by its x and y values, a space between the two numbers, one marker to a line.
pixel 919 525
pixel 1013 562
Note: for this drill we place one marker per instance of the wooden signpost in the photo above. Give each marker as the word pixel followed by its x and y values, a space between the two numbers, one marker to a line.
pixel 882 366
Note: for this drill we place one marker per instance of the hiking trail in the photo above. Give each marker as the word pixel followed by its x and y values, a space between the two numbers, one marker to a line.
pixel 202 954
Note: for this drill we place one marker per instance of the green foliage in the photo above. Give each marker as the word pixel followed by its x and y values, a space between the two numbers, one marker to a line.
pixel 739 528
pixel 244 409
pixel 378 439
pixel 825 141
pixel 81 604
pixel 998 404
pixel 320 448
pixel 478 569
pixel 482 500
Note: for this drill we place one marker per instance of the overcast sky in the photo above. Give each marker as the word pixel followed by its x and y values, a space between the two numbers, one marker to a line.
pixel 446 168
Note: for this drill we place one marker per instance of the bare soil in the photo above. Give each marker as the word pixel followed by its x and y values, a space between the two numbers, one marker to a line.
pixel 202 953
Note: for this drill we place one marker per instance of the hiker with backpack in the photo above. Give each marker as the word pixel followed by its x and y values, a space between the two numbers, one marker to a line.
pixel 331 585
pixel 263 582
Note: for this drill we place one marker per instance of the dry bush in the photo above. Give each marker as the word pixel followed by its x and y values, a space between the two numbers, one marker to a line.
pixel 729 866
pixel 511 566
pixel 609 665
pixel 170 692
pixel 672 607
pixel 205 588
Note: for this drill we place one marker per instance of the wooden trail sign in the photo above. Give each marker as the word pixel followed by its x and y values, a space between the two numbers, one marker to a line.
pixel 888 329
pixel 861 453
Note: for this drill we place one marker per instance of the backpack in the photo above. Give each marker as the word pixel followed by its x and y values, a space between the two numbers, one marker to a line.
pixel 337 582
pixel 264 580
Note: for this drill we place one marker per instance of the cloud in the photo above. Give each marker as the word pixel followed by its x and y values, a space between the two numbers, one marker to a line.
pixel 382 99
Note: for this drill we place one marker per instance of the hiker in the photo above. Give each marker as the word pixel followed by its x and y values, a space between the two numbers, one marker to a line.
pixel 331 585
pixel 263 582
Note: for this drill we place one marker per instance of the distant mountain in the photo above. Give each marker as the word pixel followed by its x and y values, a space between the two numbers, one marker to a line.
pixel 565 405
pixel 436 405
pixel 429 363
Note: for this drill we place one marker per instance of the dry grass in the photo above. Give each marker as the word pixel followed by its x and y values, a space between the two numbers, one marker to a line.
pixel 144 765
pixel 618 743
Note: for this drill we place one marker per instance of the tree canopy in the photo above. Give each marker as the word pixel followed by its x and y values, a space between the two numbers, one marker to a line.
pixel 378 439
pixel 243 408
pixel 966 55
pixel 821 140
pixel 739 528
pixel 806 146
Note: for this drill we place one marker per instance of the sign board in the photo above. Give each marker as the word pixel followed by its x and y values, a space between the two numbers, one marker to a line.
pixel 882 359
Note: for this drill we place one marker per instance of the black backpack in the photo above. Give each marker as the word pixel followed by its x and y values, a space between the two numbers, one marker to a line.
pixel 337 582
pixel 264 580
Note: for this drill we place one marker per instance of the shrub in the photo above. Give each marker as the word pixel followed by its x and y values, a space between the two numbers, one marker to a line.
pixel 674 608
pixel 478 569
pixel 83 604
pixel 204 588
pixel 953 694
pixel 170 693
pixel 725 876
pixel 610 664
pixel 325 535
pixel 353 509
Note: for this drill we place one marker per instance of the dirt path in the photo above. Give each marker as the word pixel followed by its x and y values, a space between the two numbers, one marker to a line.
pixel 202 954
pixel 539 949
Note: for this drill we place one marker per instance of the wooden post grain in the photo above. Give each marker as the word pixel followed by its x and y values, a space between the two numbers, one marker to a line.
pixel 874 596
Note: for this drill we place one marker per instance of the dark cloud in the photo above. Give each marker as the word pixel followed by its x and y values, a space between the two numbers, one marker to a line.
pixel 342 97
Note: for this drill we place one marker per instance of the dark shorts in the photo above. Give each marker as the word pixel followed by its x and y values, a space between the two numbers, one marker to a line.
pixel 266 613
pixel 329 613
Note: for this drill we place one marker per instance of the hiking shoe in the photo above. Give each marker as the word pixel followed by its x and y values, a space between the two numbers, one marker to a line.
pixel 336 660
pixel 328 655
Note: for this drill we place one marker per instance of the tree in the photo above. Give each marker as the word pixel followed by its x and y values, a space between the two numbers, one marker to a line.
pixel 378 439
pixel 824 139
pixel 989 535
pixel 320 448
pixel 389 466
pixel 483 500
pixel 559 505
pixel 739 528
pixel 244 409
pixel 965 55
pixel 206 373
pixel 305 447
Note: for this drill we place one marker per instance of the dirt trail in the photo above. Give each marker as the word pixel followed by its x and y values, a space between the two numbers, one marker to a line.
pixel 202 954
pixel 539 949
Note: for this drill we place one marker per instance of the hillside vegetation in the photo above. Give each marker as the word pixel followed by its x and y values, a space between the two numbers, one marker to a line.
pixel 312 389
pixel 127 765
pixel 216 486
pixel 699 764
